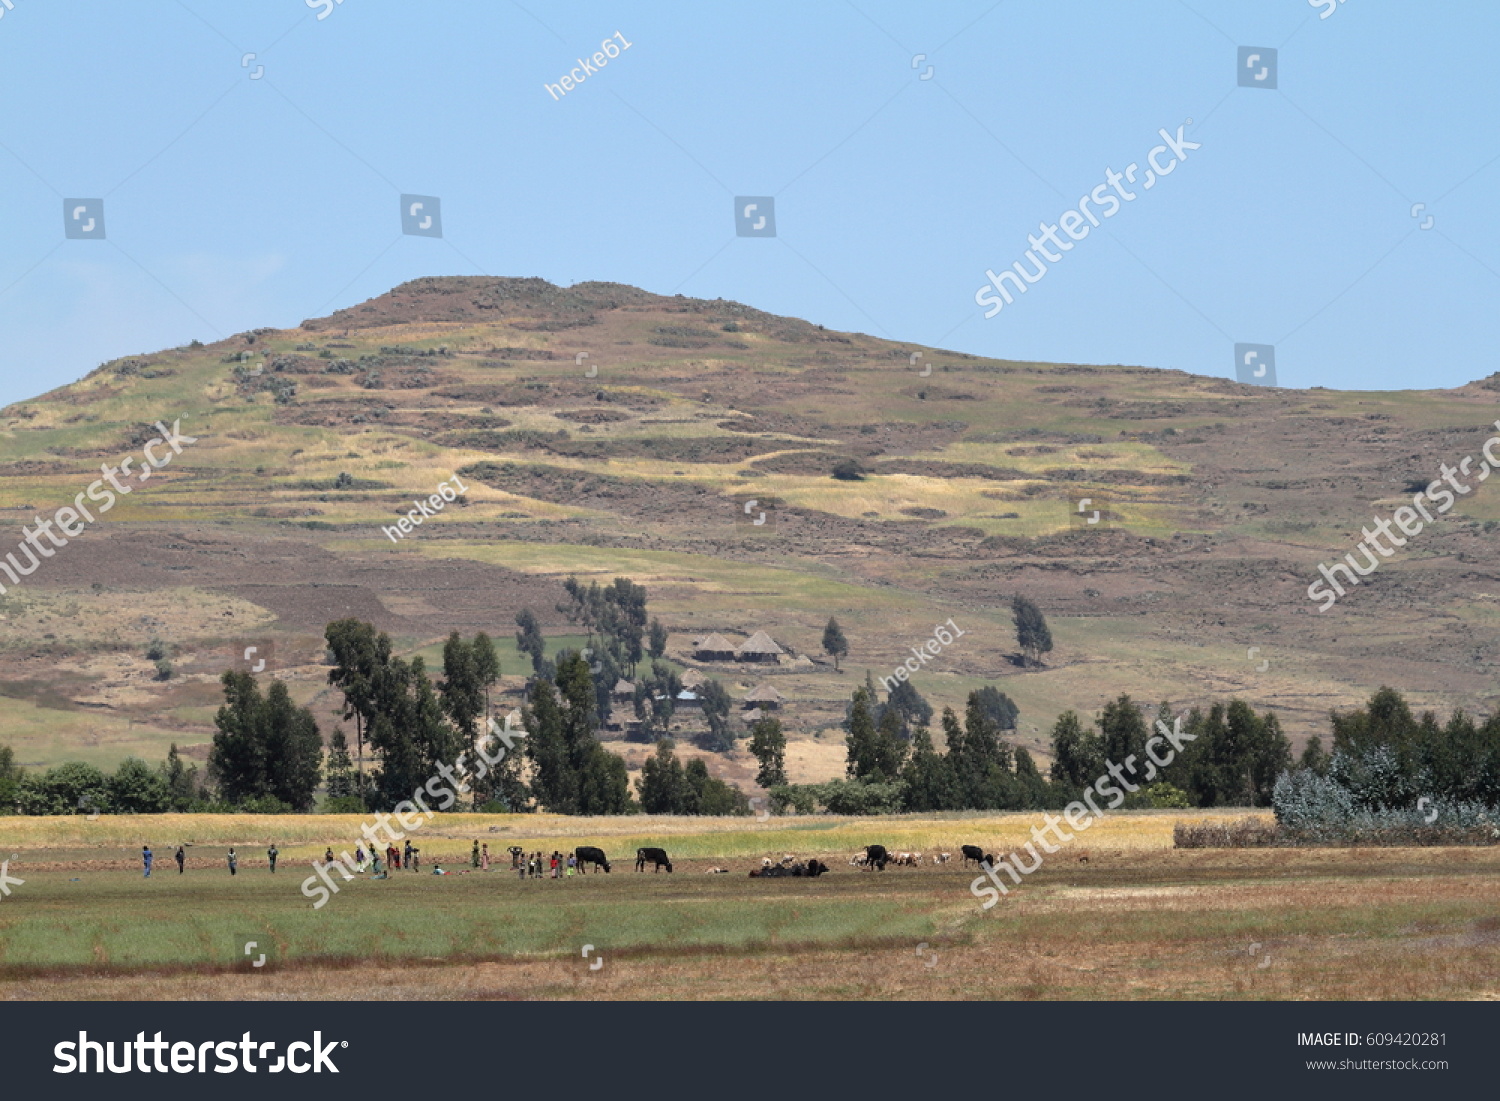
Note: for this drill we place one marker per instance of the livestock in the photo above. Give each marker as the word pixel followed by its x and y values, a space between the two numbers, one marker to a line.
pixel 974 853
pixel 941 858
pixel 859 859
pixel 876 856
pixel 588 854
pixel 657 857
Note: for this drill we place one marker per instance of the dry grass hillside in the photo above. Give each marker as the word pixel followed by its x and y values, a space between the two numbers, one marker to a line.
pixel 601 430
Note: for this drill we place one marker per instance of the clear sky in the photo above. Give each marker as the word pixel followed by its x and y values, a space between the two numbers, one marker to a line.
pixel 233 201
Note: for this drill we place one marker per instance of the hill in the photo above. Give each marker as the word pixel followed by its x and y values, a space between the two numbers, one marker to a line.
pixel 601 430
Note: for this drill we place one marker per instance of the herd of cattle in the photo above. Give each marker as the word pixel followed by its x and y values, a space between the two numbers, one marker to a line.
pixel 872 856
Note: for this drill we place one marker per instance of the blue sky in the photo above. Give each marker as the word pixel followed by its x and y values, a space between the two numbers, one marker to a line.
pixel 233 202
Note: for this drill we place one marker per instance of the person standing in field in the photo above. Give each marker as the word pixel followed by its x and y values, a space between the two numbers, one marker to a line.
pixel 407 854
pixel 233 861
pixel 181 859
pixel 146 860
pixel 271 855
pixel 484 857
pixel 416 859
pixel 328 856
pixel 474 856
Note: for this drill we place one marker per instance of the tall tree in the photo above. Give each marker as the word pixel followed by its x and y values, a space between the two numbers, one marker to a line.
pixel 265 745
pixel 835 645
pixel 469 668
pixel 928 776
pixel 716 705
pixel 657 642
pixel 237 760
pixel 340 768
pixel 661 781
pixel 1000 708
pixel 360 656
pixel 1032 633
pixel 529 639
pixel 768 746
pixel 294 749
pixel 181 780
pixel 1077 754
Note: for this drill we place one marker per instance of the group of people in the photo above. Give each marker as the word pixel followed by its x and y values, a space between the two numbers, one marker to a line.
pixel 536 866
pixel 148 858
pixel 410 855
pixel 526 865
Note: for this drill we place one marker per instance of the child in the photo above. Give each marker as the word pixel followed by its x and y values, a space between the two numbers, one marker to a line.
pixel 233 861
pixel 146 860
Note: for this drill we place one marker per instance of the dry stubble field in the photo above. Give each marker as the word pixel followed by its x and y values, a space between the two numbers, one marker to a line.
pixel 1137 920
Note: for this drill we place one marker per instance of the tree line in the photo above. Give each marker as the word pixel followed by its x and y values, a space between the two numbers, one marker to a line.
pixel 1231 756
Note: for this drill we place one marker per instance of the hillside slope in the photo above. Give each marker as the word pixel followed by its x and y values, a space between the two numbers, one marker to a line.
pixel 603 430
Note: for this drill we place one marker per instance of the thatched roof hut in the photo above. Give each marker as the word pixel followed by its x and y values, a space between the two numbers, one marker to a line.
pixel 714 648
pixel 759 647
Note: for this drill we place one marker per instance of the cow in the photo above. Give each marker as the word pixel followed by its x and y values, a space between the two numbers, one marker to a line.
pixel 974 853
pixel 588 854
pixel 813 868
pixel 1083 857
pixel 859 860
pixel 876 856
pixel 717 871
pixel 941 858
pixel 658 857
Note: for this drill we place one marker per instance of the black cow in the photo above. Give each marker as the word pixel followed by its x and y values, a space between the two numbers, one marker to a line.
pixel 876 856
pixel 654 856
pixel 813 868
pixel 587 854
pixel 974 853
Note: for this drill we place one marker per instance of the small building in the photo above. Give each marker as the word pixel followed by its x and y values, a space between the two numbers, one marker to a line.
pixel 688 698
pixel 753 716
pixel 760 647
pixel 692 678
pixel 764 698
pixel 714 648
pixel 623 690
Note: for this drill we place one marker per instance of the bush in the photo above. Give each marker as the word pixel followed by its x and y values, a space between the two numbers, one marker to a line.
pixel 851 797
pixel 156 649
pixel 1366 798
pixel 849 470
pixel 163 669
pixel 345 804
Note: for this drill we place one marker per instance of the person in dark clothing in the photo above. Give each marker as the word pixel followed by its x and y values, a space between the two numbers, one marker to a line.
pixel 271 855
pixel 146 859
pixel 181 859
